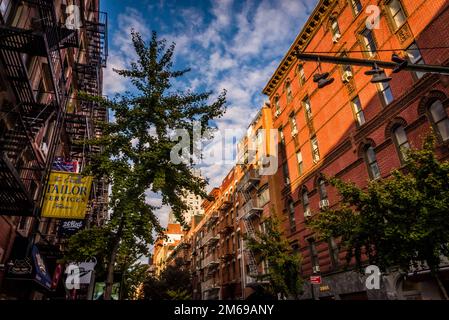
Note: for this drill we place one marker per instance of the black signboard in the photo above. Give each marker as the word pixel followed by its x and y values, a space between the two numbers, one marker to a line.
pixel 68 228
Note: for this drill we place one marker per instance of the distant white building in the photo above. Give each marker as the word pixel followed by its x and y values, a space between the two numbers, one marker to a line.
pixel 194 202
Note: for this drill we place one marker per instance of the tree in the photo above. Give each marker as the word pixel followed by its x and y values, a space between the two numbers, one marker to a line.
pixel 174 283
pixel 133 280
pixel 284 264
pixel 398 222
pixel 136 152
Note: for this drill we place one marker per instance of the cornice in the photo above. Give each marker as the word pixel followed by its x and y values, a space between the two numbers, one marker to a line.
pixel 301 41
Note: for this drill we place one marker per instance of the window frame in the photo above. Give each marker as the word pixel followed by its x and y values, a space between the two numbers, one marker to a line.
pixel 305 200
pixel 381 91
pixel 307 105
pixel 372 163
pixel 353 4
pixel 436 123
pixel 289 91
pixel 392 17
pixel 368 45
pixel 400 146
pixel 357 112
pixel 300 163
pixel 291 216
pixel 417 75
pixel 286 173
pixel 315 149
pixel 322 189
pixel 301 74
pixel 334 28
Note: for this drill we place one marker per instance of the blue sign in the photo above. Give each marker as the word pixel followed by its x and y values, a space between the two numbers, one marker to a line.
pixel 42 275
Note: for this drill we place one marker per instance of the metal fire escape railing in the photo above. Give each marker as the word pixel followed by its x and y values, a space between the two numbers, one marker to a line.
pixel 85 119
pixel 23 166
pixel 253 270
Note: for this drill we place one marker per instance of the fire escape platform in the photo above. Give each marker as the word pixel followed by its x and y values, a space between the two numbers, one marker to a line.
pixel 15 200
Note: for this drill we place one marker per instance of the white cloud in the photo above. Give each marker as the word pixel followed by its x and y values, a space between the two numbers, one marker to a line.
pixel 123 51
pixel 237 47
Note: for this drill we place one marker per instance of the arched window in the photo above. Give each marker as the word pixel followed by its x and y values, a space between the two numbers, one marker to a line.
pixel 277 106
pixel 335 29
pixel 440 119
pixel 371 161
pixel 305 202
pixel 322 189
pixel 291 216
pixel 401 141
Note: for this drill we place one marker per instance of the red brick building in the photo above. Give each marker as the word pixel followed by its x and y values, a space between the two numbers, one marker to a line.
pixel 43 64
pixel 354 129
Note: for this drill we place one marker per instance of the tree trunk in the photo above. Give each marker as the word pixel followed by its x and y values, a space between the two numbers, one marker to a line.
pixel 441 286
pixel 110 268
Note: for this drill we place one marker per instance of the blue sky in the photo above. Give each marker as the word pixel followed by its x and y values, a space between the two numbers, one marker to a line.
pixel 229 44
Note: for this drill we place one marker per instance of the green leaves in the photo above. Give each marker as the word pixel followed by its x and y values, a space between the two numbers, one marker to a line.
pixel 284 264
pixel 135 150
pixel 397 222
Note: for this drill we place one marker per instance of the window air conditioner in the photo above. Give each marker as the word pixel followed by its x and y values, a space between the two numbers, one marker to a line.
pixel 294 132
pixel 347 75
pixel 336 37
pixel 324 203
pixel 308 213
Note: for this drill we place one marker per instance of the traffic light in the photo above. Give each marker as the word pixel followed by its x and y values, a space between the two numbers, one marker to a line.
pixel 322 79
pixel 402 63
pixel 378 75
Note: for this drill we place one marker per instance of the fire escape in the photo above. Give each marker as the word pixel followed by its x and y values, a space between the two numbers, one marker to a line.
pixel 84 120
pixel 24 166
pixel 248 211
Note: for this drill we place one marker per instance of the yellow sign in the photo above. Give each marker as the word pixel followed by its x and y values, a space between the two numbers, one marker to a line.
pixel 67 195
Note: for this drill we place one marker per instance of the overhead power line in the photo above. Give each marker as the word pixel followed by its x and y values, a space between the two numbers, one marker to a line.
pixel 378 50
pixel 370 63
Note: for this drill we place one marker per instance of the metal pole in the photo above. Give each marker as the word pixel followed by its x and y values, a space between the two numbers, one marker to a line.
pixel 370 63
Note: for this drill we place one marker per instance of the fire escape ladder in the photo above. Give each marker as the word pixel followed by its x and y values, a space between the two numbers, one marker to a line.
pixel 253 271
pixel 96 30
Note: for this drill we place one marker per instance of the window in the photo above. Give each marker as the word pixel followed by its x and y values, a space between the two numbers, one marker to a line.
pixel 4 7
pixel 333 252
pixel 402 145
pixel 286 173
pixel 291 216
pixel 300 162
pixel 414 55
pixel 281 136
pixel 264 196
pixel 397 13
pixel 322 189
pixel 369 42
pixel 305 200
pixel 440 119
pixel 335 29
pixel 277 105
pixel 302 75
pixel 315 150
pixel 293 125
pixel 259 137
pixel 356 6
pixel 346 67
pixel 307 108
pixel 371 161
pixel 385 92
pixel 288 88
pixel 313 253
pixel 358 112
